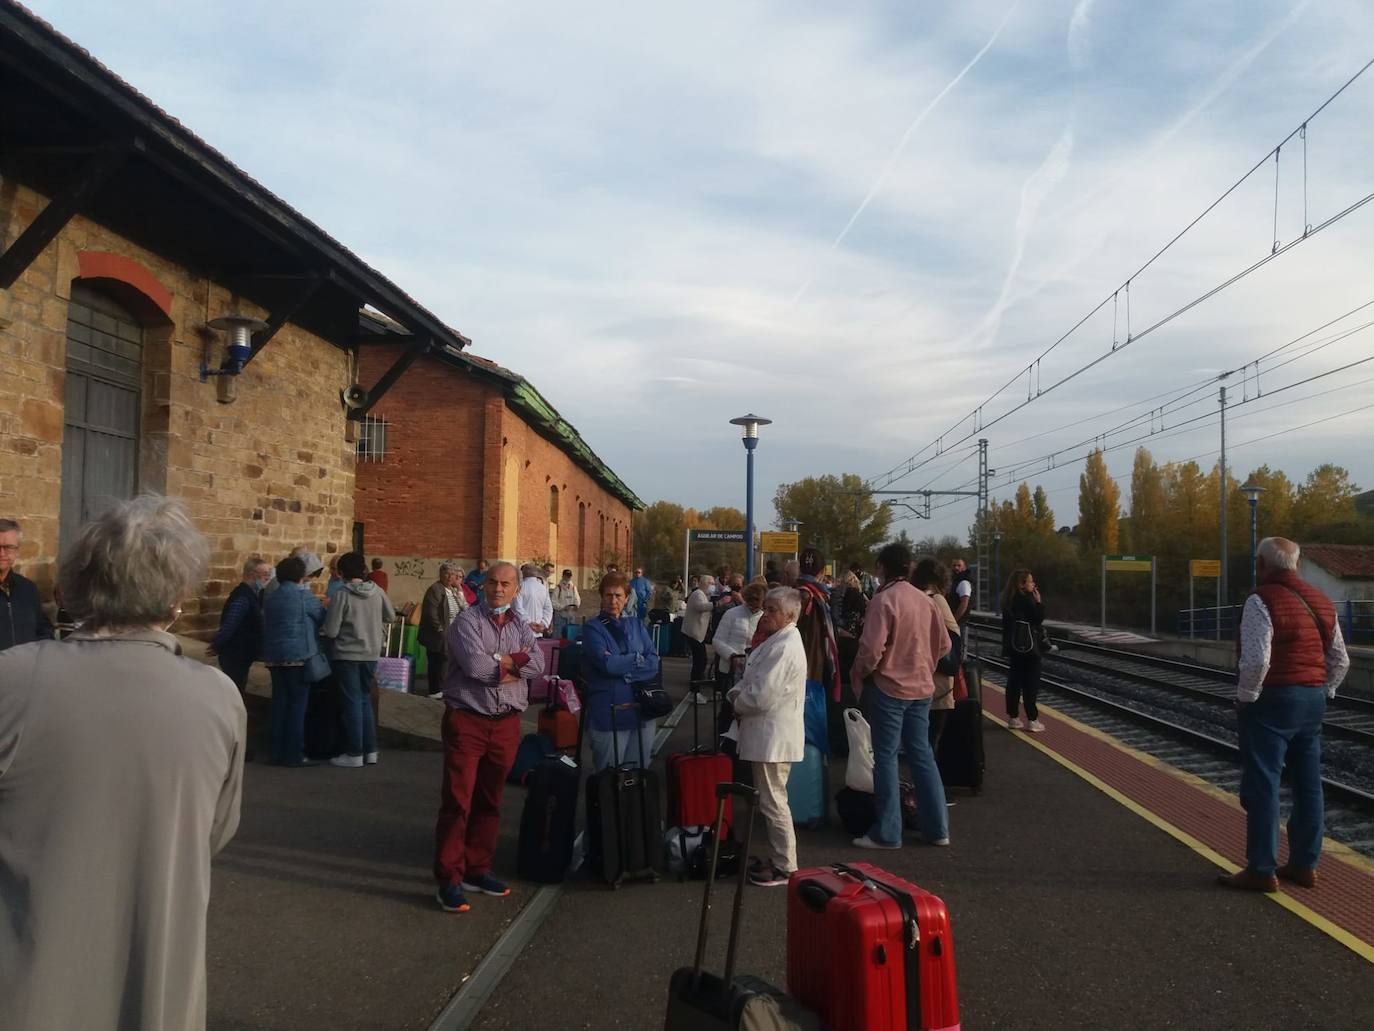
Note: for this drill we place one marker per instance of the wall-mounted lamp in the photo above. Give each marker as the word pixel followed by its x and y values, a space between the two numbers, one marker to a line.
pixel 238 348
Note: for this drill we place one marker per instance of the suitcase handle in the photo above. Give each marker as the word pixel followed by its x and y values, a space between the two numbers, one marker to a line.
pixel 813 896
pixel 724 791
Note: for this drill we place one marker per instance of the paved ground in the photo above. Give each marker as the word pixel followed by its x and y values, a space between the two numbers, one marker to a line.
pixel 1068 912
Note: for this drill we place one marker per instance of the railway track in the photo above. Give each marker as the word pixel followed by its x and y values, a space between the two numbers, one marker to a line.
pixel 1208 749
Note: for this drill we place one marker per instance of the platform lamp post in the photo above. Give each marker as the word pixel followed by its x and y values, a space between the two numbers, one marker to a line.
pixel 1252 491
pixel 997 561
pixel 749 430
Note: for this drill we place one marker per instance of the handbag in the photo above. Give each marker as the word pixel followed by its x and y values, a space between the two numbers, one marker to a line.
pixel 951 661
pixel 1022 638
pixel 651 700
pixel 317 668
pixel 858 771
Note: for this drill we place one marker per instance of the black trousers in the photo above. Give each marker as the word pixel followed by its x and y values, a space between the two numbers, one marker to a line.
pixel 236 668
pixel 698 651
pixel 938 717
pixel 1023 683
pixel 434 668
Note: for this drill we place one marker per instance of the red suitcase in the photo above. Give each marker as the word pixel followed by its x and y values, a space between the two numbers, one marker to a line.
pixel 560 726
pixel 868 951
pixel 693 776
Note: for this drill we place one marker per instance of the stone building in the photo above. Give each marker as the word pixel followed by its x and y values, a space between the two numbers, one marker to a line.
pixel 464 459
pixel 122 236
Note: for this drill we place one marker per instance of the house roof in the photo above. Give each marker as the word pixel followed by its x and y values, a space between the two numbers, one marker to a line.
pixel 174 193
pixel 1347 561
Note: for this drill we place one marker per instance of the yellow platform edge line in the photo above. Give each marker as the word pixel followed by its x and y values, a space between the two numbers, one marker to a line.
pixel 1362 948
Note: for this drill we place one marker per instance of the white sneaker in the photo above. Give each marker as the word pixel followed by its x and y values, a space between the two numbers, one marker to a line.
pixel 867 842
pixel 1035 727
pixel 700 699
pixel 351 762
pixel 436 694
pixel 1015 723
pixel 942 842
pixel 371 758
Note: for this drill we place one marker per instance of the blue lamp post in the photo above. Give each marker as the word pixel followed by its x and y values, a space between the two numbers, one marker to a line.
pixel 749 428
pixel 1252 491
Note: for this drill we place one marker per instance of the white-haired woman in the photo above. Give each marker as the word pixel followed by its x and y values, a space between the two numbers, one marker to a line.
pixel 768 702
pixel 121 764
pixel 696 623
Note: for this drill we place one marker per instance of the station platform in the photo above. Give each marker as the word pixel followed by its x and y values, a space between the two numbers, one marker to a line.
pixel 1080 884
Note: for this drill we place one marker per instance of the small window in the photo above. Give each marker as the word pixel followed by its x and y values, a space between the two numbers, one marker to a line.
pixel 372 433
pixel 553 505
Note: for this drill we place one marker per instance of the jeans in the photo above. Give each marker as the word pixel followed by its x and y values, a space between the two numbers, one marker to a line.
pixel 1282 728
pixel 604 747
pixel 904 723
pixel 355 704
pixel 290 692
pixel 478 753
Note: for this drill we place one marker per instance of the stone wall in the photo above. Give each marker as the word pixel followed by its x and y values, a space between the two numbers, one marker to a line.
pixel 270 471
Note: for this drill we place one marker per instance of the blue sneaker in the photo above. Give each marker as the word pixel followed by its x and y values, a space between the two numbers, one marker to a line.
pixel 451 900
pixel 486 884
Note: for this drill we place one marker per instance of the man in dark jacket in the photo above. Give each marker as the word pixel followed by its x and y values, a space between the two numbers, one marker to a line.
pixel 22 618
pixel 1292 659
pixel 443 601
pixel 238 642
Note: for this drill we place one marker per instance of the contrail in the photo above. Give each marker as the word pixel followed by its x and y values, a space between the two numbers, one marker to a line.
pixel 901 144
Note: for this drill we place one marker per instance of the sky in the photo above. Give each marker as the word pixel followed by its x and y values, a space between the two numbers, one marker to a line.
pixel 860 221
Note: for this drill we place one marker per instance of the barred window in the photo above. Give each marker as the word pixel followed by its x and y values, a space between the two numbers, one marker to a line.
pixel 372 434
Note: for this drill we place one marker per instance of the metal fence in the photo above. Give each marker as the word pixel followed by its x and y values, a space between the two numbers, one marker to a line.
pixel 1357 622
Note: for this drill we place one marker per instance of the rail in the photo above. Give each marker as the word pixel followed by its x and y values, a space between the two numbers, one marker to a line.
pixel 1218 623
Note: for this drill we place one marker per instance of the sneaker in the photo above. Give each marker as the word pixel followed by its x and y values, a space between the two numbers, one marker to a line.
pixel 451 900
pixel 768 877
pixel 1035 727
pixel 351 762
pixel 436 694
pixel 486 884
pixel 700 699
pixel 1015 723
pixel 941 842
pixel 371 758
pixel 867 842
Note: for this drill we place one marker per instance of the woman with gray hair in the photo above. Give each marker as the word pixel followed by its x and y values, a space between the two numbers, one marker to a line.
pixel 121 766
pixel 768 703
pixel 443 600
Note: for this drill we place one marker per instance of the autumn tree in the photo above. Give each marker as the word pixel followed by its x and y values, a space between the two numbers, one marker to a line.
pixel 659 538
pixel 1147 503
pixel 1042 514
pixel 1098 508
pixel 1326 498
pixel 836 514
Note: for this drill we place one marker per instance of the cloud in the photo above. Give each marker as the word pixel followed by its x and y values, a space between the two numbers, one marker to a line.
pixel 1078 43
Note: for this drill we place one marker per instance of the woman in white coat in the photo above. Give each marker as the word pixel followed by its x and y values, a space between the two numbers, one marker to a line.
pixel 768 702
pixel 695 625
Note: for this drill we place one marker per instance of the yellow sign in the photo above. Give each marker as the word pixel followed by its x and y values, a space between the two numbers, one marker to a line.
pixel 1128 563
pixel 779 543
pixel 1204 567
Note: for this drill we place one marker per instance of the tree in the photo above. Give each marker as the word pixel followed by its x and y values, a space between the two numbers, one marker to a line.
pixel 1042 513
pixel 916 549
pixel 1326 498
pixel 837 516
pixel 1147 503
pixel 659 538
pixel 1098 508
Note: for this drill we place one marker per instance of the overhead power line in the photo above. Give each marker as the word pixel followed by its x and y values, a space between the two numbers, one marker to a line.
pixel 1032 371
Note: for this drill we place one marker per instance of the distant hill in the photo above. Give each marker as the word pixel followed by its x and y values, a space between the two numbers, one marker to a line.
pixel 1364 503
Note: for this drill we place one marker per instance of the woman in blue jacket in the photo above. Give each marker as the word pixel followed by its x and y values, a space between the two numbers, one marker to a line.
pixel 291 634
pixel 617 652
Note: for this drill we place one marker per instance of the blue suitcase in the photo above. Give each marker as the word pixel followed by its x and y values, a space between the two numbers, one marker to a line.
pixel 663 638
pixel 807 789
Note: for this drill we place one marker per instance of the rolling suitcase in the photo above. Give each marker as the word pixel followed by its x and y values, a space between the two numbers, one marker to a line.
pixel 698 1001
pixel 663 638
pixel 548 822
pixel 808 790
pixel 528 754
pixel 960 756
pixel 693 776
pixel 323 724
pixel 541 685
pixel 394 668
pixel 559 726
pixel 973 680
pixel 624 830
pixel 869 951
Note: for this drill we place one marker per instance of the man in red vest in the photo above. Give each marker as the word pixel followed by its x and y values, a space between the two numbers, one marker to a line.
pixel 1292 659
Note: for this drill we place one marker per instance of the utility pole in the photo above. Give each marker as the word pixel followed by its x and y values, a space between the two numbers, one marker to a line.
pixel 1221 489
pixel 985 584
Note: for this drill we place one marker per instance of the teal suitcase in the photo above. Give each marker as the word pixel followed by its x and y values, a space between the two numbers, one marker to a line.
pixel 806 789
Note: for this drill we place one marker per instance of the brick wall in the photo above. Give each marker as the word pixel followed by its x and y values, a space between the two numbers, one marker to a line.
pixel 466 478
pixel 261 475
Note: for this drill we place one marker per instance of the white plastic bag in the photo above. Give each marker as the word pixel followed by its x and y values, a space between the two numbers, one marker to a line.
pixel 858 773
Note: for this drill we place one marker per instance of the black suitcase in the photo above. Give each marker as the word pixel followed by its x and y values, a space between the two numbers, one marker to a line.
pixel 961 748
pixel 973 679
pixel 624 826
pixel 548 821
pixel 698 1001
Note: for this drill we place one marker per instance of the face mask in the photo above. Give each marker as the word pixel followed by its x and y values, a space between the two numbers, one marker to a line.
pixel 500 609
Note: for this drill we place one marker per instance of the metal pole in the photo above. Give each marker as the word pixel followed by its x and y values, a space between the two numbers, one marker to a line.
pixel 1254 538
pixel 749 444
pixel 686 557
pixel 1217 621
pixel 1152 594
pixel 1192 612
pixel 1104 593
pixel 1221 584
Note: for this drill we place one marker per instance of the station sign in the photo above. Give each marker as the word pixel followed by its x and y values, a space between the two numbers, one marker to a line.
pixel 722 536
pixel 1204 567
pixel 1129 563
pixel 781 542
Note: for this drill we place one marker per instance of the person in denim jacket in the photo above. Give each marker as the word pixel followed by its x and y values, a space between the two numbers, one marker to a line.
pixel 291 634
pixel 616 653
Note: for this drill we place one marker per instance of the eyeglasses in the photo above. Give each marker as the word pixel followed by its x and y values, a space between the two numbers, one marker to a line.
pixel 12 548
